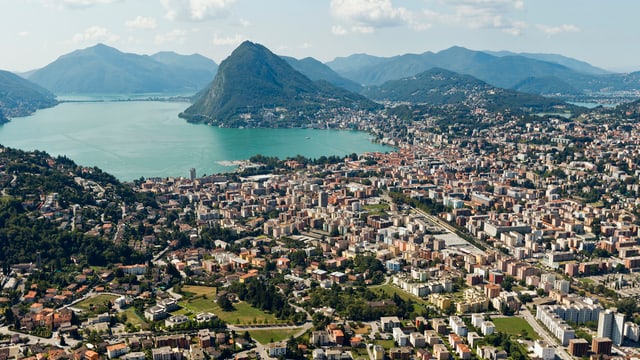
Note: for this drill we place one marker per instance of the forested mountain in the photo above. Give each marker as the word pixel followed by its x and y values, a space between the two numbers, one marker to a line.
pixel 102 69
pixel 442 87
pixel 48 206
pixel 20 97
pixel 254 87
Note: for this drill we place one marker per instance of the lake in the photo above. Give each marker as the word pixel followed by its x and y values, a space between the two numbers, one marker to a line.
pixel 130 139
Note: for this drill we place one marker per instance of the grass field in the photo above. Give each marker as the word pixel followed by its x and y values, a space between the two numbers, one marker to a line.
pixel 135 320
pixel 359 353
pixel 96 301
pixel 514 326
pixel 376 209
pixel 365 329
pixel 389 290
pixel 189 291
pixel 386 344
pixel 244 314
pixel 266 336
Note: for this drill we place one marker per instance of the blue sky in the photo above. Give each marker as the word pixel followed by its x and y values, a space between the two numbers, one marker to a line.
pixel 605 34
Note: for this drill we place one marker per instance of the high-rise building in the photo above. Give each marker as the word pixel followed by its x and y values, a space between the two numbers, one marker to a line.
pixel 611 325
pixel 192 174
pixel 323 199
pixel 617 333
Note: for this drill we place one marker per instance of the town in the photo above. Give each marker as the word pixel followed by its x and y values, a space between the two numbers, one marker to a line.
pixel 516 239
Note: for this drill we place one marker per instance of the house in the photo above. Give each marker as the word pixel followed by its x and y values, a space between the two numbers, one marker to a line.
pixel 277 348
pixel 113 351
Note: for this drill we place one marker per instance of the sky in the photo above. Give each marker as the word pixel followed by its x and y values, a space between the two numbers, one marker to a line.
pixel 603 33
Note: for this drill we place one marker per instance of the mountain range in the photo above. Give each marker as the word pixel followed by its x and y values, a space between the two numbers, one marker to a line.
pixel 534 73
pixel 255 85
pixel 101 69
pixel 19 97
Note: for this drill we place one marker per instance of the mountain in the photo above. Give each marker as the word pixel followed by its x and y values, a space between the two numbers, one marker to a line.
pixel 315 70
pixel 443 87
pixel 254 87
pixel 103 69
pixel 546 85
pixel 351 63
pixel 20 97
pixel 508 70
pixel 571 63
pixel 187 63
pixel 501 71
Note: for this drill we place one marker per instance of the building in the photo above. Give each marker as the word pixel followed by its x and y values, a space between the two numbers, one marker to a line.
pixel 113 351
pixel 458 326
pixel 555 323
pixel 277 348
pixel 611 325
pixel 487 328
pixel 417 340
pixel 544 351
pixel 155 313
pixel 166 353
pixel 320 338
pixel 440 352
pixel 601 346
pixel 378 352
pixel 578 347
pixel 389 322
pixel 176 320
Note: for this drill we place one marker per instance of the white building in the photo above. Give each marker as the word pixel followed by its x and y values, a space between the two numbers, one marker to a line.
pixel 278 348
pixel 611 325
pixel 487 328
pixel 544 351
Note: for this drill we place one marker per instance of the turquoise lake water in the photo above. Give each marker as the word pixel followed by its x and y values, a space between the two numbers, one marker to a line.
pixel 130 139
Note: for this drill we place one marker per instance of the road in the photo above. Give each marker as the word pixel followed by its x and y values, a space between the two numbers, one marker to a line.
pixel 544 334
pixel 35 339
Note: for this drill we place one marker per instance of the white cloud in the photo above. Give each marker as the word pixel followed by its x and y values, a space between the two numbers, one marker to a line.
pixel 365 16
pixel 362 29
pixel 23 33
pixel 233 40
pixel 142 22
pixel 482 14
pixel 306 46
pixel 338 30
pixel 76 4
pixel 196 10
pixel 554 30
pixel 173 36
pixel 94 34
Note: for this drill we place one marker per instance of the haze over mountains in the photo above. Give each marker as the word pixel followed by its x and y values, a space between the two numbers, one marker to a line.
pixel 552 73
pixel 255 79
pixel 101 69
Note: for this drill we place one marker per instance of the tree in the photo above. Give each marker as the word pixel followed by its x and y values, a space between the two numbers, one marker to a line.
pixel 225 304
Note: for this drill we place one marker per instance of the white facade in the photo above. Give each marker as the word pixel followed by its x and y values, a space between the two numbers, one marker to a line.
pixel 544 350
